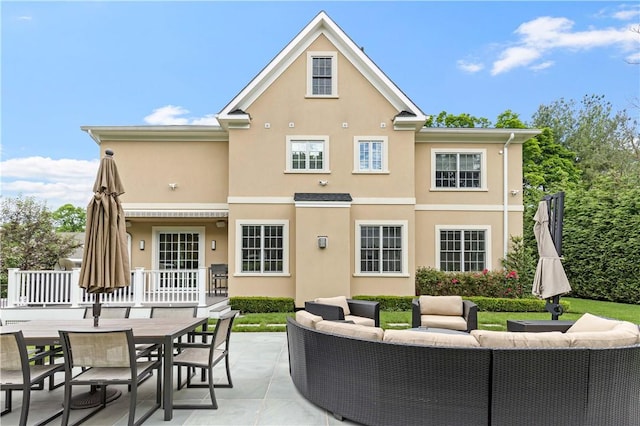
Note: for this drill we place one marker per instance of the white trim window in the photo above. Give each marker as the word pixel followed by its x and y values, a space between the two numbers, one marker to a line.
pixel 455 169
pixel 370 154
pixel 178 248
pixel 463 248
pixel 322 74
pixel 262 247
pixel 307 154
pixel 381 247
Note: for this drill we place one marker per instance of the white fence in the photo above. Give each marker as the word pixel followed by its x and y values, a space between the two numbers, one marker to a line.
pixel 46 288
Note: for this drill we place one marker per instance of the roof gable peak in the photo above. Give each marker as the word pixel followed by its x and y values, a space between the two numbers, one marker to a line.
pixel 320 24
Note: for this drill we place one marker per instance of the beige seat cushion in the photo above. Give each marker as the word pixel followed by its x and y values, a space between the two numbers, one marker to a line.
pixel 443 321
pixel 441 305
pixel 369 322
pixel 335 301
pixel 352 330
pixel 429 339
pixel 623 334
pixel 589 322
pixel 307 318
pixel 508 339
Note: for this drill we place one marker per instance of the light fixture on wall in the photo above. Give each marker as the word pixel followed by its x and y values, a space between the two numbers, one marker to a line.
pixel 323 241
pixel 213 244
pixel 221 224
pixel 173 186
pixel 514 192
pixel 141 245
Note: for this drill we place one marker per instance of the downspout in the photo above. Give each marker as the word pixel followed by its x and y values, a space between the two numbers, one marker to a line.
pixel 505 196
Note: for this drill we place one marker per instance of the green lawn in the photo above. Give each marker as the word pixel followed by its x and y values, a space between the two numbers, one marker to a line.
pixel 486 320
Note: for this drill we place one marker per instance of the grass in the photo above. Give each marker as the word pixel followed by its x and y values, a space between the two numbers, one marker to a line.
pixel 486 320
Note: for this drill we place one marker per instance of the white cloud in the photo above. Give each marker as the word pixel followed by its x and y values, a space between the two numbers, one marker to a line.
pixel 469 66
pixel 24 18
pixel 539 38
pixel 56 182
pixel 170 116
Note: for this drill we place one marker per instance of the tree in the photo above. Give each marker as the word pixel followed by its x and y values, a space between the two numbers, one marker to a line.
pixel 29 240
pixel 604 141
pixel 69 218
pixel 463 120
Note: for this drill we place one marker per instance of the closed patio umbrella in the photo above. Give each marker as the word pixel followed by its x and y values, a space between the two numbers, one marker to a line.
pixel 105 263
pixel 550 279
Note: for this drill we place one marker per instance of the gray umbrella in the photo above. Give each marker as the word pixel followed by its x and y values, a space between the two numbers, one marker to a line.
pixel 550 279
pixel 105 262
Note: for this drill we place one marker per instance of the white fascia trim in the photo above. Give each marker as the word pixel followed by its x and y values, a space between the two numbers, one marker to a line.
pixel 468 207
pixel 194 210
pixel 325 204
pixel 322 24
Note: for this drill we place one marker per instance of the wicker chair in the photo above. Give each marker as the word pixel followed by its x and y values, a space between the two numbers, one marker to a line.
pixel 340 308
pixel 450 312
pixel 18 374
pixel 205 356
pixel 107 358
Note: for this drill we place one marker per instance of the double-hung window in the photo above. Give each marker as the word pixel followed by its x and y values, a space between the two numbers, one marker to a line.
pixel 381 247
pixel 370 154
pixel 307 154
pixel 322 74
pixel 454 169
pixel 463 250
pixel 263 247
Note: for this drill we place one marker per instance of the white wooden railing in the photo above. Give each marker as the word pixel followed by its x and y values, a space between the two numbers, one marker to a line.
pixel 45 288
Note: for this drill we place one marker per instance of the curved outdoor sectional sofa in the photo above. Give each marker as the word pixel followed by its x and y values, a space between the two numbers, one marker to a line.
pixel 401 377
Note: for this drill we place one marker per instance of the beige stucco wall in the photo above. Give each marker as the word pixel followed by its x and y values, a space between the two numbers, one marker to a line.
pixel 322 272
pixel 200 170
pixel 258 155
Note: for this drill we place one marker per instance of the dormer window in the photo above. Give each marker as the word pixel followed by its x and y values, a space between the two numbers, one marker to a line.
pixel 322 74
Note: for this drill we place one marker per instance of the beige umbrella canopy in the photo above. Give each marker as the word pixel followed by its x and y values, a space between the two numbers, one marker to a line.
pixel 550 279
pixel 105 262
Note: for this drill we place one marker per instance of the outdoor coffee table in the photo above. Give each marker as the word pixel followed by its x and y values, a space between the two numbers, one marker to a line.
pixel 538 326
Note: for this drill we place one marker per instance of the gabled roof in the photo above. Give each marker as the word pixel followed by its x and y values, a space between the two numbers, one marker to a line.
pixel 321 24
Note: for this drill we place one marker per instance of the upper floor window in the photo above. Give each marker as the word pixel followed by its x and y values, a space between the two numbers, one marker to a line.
pixel 322 74
pixel 370 154
pixel 464 249
pixel 263 247
pixel 307 154
pixel 381 247
pixel 458 169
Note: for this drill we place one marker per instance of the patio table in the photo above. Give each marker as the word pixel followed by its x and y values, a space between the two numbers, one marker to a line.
pixel 161 331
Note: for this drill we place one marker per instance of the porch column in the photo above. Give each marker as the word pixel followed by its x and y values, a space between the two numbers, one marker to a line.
pixel 75 290
pixel 202 286
pixel 138 286
pixel 12 287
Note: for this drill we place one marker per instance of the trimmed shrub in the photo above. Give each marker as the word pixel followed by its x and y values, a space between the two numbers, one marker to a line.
pixel 262 304
pixel 504 284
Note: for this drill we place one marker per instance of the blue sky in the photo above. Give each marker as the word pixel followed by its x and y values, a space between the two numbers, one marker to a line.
pixel 69 64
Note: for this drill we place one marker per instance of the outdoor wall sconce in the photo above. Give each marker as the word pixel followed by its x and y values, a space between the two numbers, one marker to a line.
pixel 221 224
pixel 322 242
pixel 213 244
pixel 173 186
pixel 141 245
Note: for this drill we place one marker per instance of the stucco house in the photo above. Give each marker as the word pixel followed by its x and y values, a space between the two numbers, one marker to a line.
pixel 319 180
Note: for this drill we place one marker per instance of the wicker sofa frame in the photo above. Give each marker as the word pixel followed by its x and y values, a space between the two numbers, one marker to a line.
pixel 469 313
pixel 360 308
pixel 382 383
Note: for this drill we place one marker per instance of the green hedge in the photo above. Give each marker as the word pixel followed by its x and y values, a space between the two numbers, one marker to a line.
pixel 262 304
pixel 488 304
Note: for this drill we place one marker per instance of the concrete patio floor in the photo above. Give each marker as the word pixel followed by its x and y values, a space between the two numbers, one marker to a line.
pixel 263 394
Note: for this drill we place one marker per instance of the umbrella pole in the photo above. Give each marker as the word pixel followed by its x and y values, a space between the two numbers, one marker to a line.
pixel 97 307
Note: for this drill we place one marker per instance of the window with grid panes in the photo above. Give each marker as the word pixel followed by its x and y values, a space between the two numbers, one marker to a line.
pixel 463 250
pixel 370 155
pixel 458 170
pixel 262 248
pixel 380 249
pixel 307 155
pixel 321 75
